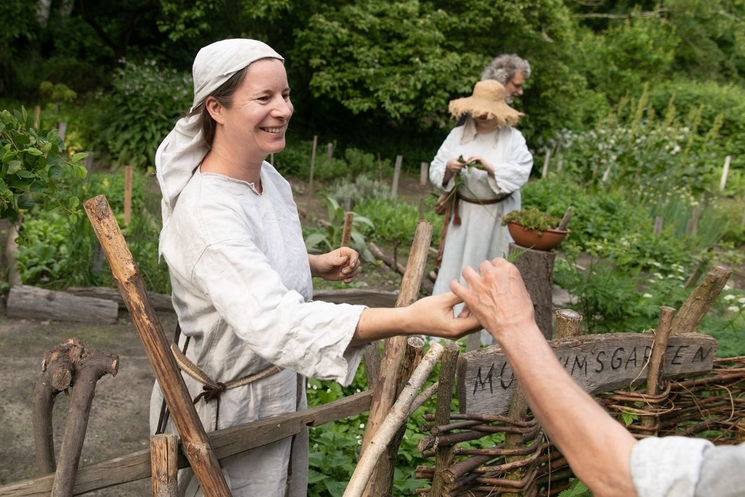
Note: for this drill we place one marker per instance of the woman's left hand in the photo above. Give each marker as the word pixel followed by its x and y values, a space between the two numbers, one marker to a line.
pixel 483 162
pixel 340 264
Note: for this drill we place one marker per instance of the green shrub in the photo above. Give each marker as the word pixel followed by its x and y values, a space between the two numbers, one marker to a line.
pixel 142 107
pixel 35 167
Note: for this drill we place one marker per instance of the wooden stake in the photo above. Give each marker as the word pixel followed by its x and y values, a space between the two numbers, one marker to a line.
pixel 197 447
pixel 568 324
pixel 725 172
pixel 62 129
pixel 445 455
pixel 330 153
pixel 423 173
pixel 395 416
pixel 699 301
pixel 694 221
pixel 381 481
pixel 37 114
pixel 396 175
pixel 346 235
pixel 312 167
pixel 658 225
pixel 657 359
pixel 545 163
pixel 164 464
pixel 393 349
pixel 127 194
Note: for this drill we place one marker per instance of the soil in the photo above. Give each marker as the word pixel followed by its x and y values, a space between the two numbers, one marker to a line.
pixel 118 423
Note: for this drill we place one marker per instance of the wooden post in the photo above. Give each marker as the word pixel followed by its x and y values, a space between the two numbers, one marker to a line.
pixel 694 221
pixel 11 253
pixel 196 444
pixel 537 270
pixel 725 172
pixel 657 359
pixel 381 481
pixel 606 174
pixel 394 416
pixel 330 153
pixel 127 194
pixel 393 349
pixel 88 164
pixel 444 456
pixel 62 129
pixel 396 175
pixel 568 324
pixel 164 464
pixel 312 167
pixel 545 163
pixel 423 173
pixel 346 235
pixel 658 225
pixel 699 301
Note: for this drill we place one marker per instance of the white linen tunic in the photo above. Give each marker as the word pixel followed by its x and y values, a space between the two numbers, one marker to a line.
pixel 687 467
pixel 242 289
pixel 480 235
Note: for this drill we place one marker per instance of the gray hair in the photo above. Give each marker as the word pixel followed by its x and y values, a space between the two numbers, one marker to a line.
pixel 504 67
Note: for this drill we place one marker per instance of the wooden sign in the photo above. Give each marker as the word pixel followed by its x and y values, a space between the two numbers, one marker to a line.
pixel 598 363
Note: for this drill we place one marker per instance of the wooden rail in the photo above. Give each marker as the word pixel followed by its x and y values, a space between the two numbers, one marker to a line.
pixel 225 442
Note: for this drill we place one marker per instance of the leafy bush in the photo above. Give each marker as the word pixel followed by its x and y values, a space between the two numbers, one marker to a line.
pixel 634 148
pixel 395 221
pixel 35 167
pixel 144 103
pixel 358 189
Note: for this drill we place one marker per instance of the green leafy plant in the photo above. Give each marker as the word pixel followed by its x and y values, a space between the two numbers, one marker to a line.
pixel 329 237
pixel 532 219
pixel 578 489
pixel 145 101
pixel 35 168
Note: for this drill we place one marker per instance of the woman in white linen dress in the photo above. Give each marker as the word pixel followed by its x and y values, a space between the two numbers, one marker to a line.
pixel 486 191
pixel 240 273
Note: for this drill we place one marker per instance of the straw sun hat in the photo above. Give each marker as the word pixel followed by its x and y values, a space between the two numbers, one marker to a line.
pixel 487 98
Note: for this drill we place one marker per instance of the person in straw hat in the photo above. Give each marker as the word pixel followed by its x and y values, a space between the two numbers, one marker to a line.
pixel 480 167
pixel 242 278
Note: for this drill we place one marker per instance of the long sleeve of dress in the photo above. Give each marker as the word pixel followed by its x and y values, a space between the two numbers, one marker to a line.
pixel 687 467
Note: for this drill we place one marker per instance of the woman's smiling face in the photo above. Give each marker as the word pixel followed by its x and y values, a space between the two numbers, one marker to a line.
pixel 260 110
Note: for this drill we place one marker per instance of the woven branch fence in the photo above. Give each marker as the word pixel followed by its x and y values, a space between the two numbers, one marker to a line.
pixel 711 406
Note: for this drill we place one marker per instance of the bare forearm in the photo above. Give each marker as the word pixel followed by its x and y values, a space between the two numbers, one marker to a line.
pixel 597 447
pixel 381 323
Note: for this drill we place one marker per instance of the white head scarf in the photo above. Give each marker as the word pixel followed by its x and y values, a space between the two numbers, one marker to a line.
pixel 184 148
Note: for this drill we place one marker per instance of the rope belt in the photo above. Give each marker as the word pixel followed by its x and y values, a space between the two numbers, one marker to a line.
pixel 453 209
pixel 213 389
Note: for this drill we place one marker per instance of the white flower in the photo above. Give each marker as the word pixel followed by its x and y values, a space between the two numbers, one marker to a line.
pixel 733 308
pixel 647 295
pixel 655 263
pixel 658 275
pixel 362 426
pixel 741 300
pixel 729 297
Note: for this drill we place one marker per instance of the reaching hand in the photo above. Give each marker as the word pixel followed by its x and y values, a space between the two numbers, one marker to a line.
pixel 496 296
pixel 435 316
pixel 341 264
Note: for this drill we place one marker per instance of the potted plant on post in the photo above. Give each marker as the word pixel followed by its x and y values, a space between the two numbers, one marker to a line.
pixel 537 230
